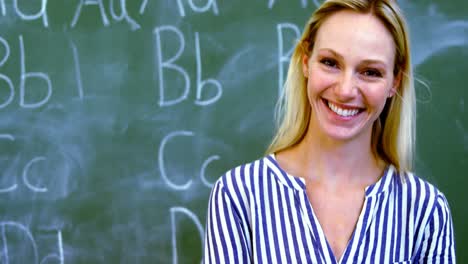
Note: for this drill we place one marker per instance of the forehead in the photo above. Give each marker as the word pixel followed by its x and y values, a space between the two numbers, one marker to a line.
pixel 356 35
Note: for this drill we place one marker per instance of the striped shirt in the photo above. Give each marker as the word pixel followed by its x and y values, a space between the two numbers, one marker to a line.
pixel 258 213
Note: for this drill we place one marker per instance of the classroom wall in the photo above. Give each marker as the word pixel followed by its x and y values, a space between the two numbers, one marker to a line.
pixel 117 116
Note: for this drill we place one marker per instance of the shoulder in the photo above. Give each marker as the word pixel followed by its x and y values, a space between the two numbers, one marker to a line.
pixel 251 181
pixel 420 190
pixel 428 216
pixel 243 177
pixel 236 189
pixel 424 201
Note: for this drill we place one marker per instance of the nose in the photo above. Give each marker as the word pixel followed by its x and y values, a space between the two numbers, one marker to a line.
pixel 346 88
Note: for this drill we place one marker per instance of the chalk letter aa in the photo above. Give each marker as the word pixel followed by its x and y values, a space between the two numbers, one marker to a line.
pixel 209 4
pixel 123 14
pixel 90 2
pixel 42 13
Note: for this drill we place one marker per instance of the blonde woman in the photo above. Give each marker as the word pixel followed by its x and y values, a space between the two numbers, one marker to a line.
pixel 336 186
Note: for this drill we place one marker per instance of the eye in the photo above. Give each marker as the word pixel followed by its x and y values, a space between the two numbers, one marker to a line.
pixel 329 62
pixel 372 73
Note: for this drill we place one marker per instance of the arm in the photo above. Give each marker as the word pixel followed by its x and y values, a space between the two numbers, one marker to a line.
pixel 225 241
pixel 438 244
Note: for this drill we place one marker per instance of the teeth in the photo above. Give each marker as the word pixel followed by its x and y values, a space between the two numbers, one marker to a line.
pixel 342 112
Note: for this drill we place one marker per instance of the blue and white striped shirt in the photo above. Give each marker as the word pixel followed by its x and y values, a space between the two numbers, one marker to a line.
pixel 258 213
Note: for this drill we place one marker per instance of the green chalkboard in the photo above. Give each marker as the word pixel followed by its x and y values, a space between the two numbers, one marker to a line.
pixel 117 116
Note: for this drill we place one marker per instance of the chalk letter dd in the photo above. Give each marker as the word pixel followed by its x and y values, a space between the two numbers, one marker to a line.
pixel 189 215
pixel 17 230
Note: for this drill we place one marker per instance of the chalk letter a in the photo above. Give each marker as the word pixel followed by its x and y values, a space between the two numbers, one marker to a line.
pixel 42 13
pixel 90 2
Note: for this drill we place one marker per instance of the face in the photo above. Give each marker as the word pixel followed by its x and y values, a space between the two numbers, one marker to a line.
pixel 349 76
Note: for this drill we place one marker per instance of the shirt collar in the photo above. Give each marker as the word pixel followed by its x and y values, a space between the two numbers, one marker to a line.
pixel 282 176
pixel 297 183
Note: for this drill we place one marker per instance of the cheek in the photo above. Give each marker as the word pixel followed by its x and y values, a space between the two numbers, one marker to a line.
pixel 377 96
pixel 319 81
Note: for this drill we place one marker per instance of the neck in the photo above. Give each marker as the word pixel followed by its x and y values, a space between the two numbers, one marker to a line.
pixel 334 162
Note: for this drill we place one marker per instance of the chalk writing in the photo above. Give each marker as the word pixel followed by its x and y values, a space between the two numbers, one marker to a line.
pixel 203 169
pixel 7 136
pixel 10 87
pixel 9 189
pixel 162 168
pixel 284 57
pixel 82 3
pixel 4 77
pixel 7 51
pixel 19 229
pixel 25 75
pixel 2 7
pixel 143 6
pixel 41 13
pixel 123 14
pixel 209 4
pixel 25 175
pixel 303 3
pixel 192 217
pixel 14 186
pixel 76 60
pixel 56 256
pixel 169 64
pixel 201 83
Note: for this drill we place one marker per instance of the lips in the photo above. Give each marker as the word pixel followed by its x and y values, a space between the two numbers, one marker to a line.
pixel 344 112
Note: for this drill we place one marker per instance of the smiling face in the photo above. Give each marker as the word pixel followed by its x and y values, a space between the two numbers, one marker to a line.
pixel 349 76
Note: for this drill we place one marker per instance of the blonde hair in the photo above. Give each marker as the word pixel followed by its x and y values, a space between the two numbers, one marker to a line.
pixel 393 134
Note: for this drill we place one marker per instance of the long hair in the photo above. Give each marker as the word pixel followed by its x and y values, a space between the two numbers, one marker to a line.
pixel 393 133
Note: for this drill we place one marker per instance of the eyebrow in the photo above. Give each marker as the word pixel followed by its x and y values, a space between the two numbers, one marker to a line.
pixel 367 61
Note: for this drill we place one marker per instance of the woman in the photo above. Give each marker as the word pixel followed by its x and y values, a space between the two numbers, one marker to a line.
pixel 337 186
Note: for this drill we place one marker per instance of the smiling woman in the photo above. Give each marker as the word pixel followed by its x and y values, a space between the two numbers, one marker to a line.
pixel 336 185
pixel 349 77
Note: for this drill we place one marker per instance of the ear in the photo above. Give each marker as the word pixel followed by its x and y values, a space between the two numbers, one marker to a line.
pixel 395 85
pixel 305 65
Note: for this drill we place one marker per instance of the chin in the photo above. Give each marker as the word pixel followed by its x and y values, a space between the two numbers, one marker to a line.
pixel 346 134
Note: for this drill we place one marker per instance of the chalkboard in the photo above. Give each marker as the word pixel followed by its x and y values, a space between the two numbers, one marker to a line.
pixel 117 116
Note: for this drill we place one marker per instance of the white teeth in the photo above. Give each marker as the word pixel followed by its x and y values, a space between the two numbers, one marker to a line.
pixel 342 112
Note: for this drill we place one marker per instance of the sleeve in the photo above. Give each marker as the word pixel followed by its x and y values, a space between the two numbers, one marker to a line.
pixel 438 244
pixel 225 239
